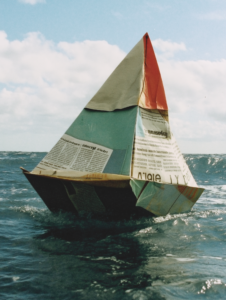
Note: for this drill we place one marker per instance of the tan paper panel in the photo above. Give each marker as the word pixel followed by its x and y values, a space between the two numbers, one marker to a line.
pixel 156 155
pixel 123 87
pixel 95 179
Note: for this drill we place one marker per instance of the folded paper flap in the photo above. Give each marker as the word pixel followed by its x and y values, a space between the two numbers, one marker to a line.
pixel 80 175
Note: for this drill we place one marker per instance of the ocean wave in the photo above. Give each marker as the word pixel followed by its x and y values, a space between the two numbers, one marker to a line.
pixel 46 255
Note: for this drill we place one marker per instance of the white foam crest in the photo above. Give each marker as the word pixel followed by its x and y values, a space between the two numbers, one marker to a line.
pixel 170 217
pixel 212 257
pixel 185 259
pixel 210 284
pixel 15 278
pixel 211 212
pixel 138 295
pixel 147 230
pixel 30 210
pixel 184 224
pixel 214 188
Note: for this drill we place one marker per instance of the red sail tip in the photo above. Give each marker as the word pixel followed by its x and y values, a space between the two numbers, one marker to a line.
pixel 153 86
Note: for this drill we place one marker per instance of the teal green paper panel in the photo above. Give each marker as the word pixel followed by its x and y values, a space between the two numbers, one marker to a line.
pixel 114 129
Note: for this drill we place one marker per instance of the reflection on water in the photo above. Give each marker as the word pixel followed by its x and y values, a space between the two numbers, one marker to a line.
pixel 62 256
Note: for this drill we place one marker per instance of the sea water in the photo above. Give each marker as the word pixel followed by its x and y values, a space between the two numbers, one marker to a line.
pixel 63 256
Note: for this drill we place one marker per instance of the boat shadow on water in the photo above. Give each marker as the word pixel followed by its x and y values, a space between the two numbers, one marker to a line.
pixel 96 226
pixel 119 255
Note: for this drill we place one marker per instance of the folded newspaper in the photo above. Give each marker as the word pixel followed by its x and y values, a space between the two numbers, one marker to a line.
pixel 119 153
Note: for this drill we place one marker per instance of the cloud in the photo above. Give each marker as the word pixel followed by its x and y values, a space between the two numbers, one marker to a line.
pixel 196 86
pixel 195 92
pixel 201 130
pixel 198 135
pixel 192 85
pixel 32 2
pixel 168 48
pixel 44 86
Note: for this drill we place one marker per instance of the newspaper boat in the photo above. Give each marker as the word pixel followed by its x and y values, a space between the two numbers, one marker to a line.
pixel 120 154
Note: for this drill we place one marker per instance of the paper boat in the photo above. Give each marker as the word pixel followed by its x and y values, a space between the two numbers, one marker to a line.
pixel 119 153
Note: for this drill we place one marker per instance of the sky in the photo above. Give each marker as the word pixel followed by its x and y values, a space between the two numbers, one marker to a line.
pixel 55 55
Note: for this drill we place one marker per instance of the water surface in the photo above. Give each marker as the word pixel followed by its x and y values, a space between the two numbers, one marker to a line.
pixel 63 256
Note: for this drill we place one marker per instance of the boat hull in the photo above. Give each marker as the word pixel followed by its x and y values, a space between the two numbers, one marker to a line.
pixel 119 197
pixel 71 196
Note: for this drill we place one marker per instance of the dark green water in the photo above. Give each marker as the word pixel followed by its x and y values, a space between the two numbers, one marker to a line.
pixel 61 256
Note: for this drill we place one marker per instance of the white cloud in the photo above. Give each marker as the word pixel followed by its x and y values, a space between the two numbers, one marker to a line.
pixel 199 130
pixel 168 48
pixel 43 87
pixel 196 92
pixel 199 136
pixel 196 86
pixel 32 2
